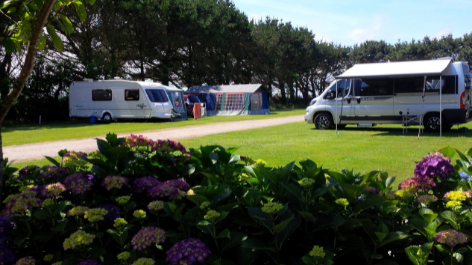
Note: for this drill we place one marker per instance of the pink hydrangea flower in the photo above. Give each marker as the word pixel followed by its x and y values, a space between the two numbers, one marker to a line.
pixel 451 237
pixel 114 182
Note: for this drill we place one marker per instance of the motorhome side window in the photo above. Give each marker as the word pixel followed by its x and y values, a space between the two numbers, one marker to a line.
pixel 373 87
pixel 343 88
pixel 101 94
pixel 447 82
pixel 131 94
pixel 157 95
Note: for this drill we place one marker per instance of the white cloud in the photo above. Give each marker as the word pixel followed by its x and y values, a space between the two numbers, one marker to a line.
pixel 442 32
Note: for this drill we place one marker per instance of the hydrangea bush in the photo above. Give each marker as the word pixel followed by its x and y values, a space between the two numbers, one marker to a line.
pixel 140 201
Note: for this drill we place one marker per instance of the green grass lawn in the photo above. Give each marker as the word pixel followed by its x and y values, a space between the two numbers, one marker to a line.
pixel 361 149
pixel 25 134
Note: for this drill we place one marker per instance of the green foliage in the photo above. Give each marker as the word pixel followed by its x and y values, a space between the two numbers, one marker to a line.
pixel 243 211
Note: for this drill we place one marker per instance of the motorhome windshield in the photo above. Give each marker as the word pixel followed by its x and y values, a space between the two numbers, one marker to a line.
pixel 157 95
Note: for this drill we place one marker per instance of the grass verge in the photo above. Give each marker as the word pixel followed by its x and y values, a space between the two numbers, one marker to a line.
pixel 25 134
pixel 360 149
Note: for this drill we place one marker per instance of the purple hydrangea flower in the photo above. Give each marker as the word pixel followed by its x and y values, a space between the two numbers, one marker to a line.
pixel 27 171
pixel 39 191
pixel 415 184
pixel 434 165
pixel 451 237
pixel 89 262
pixel 113 213
pixel 21 202
pixel 371 190
pixel 53 172
pixel 6 227
pixel 148 236
pixel 189 250
pixel 114 182
pixel 168 146
pixel 169 188
pixel 145 184
pixel 78 183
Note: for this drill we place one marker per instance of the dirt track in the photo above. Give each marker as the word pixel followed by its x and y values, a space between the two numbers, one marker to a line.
pixel 38 151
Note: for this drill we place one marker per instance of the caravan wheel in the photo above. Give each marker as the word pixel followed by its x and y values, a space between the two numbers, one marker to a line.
pixel 106 118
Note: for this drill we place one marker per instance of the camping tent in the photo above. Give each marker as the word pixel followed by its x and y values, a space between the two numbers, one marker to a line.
pixel 396 69
pixel 232 99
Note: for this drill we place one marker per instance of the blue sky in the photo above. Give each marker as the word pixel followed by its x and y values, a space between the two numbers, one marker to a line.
pixel 350 22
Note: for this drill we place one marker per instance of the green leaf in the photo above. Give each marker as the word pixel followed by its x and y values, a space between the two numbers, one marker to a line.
pixel 53 161
pixel 79 7
pixel 416 255
pixel 380 236
pixel 441 248
pixel 450 217
pixel 91 2
pixel 224 234
pixel 197 199
pixel 280 226
pixel 469 153
pixel 394 236
pixel 234 159
pixel 67 24
pixel 234 240
pixel 55 38
pixel 61 226
pixel 255 243
pixel 9 45
pixel 448 152
pixel 309 217
pixel 367 203
pixel 41 214
pixel 389 182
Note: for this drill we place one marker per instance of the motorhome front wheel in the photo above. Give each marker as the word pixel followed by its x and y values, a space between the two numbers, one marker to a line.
pixel 323 121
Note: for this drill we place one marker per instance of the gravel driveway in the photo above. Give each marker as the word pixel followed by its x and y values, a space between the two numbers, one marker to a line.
pixel 38 151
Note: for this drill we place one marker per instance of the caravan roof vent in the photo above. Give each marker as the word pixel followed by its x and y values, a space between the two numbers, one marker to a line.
pixel 117 78
pixel 148 80
pixel 88 80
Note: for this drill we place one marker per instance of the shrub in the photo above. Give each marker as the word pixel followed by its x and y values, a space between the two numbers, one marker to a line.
pixel 139 201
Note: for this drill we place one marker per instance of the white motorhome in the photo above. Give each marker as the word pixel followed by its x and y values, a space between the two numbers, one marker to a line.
pixel 414 92
pixel 121 99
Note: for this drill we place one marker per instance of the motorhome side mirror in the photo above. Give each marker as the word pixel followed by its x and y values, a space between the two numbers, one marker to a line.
pixel 330 95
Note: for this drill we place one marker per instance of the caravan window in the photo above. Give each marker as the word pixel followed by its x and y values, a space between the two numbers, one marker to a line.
pixel 373 87
pixel 101 94
pixel 157 95
pixel 131 94
pixel 256 101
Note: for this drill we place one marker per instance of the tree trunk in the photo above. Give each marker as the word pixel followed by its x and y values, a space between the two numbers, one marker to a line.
pixel 15 92
pixel 282 91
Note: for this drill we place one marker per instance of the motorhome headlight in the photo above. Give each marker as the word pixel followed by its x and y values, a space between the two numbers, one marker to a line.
pixel 312 102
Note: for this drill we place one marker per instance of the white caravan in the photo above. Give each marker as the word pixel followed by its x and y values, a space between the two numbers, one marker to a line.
pixel 121 99
pixel 414 92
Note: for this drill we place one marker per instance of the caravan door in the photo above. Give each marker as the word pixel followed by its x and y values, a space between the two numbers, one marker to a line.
pixel 136 104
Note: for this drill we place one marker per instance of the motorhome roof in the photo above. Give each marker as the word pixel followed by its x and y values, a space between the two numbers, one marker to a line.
pixel 410 68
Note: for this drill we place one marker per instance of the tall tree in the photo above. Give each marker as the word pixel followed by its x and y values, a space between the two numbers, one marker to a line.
pixel 26 22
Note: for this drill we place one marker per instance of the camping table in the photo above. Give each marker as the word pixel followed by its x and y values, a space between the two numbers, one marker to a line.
pixel 406 119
